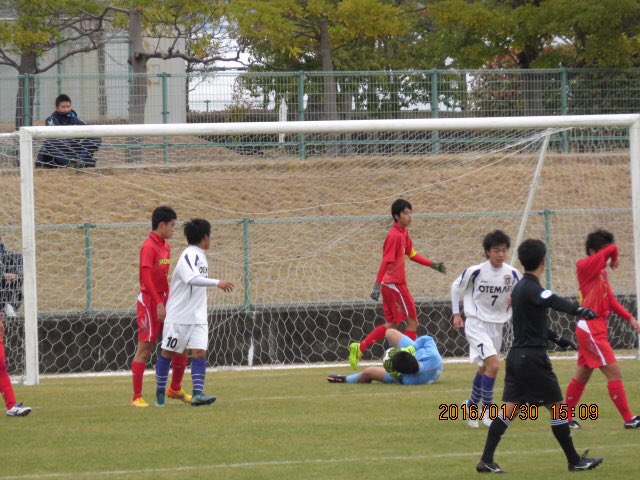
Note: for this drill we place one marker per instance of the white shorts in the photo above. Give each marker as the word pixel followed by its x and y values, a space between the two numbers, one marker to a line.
pixel 179 337
pixel 485 339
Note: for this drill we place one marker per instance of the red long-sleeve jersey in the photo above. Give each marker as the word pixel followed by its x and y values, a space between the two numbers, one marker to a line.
pixel 155 260
pixel 396 246
pixel 595 291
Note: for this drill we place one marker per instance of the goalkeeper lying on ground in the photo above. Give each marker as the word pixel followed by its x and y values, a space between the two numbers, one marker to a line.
pixel 408 363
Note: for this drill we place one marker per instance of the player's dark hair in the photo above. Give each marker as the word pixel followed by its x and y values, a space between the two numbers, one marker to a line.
pixel 404 362
pixel 495 239
pixel 162 214
pixel 597 240
pixel 531 254
pixel 63 97
pixel 398 206
pixel 196 229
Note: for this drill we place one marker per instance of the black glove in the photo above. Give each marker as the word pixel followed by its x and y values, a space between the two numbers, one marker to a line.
pixel 562 342
pixel 586 313
pixel 375 292
pixel 439 266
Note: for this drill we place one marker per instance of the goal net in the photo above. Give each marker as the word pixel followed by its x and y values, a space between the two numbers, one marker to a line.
pixel 299 212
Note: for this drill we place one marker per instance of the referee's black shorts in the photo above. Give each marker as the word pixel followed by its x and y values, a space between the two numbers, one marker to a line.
pixel 529 377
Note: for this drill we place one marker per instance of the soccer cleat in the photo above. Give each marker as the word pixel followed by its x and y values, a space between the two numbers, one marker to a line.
pixel 574 425
pixel 354 355
pixel 332 378
pixel 633 423
pixel 18 410
pixel 484 467
pixel 181 395
pixel 202 399
pixel 486 420
pixel 9 311
pixel 139 402
pixel 585 463
pixel 471 423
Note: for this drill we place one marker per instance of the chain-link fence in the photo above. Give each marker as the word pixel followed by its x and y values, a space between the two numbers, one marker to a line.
pixel 286 96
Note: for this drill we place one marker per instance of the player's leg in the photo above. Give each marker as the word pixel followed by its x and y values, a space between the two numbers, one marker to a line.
pixel 389 307
pixel 618 394
pixel 198 341
pixel 409 307
pixel 494 434
pixel 175 390
pixel 490 367
pixel 482 352
pixel 174 341
pixel 576 387
pixel 148 331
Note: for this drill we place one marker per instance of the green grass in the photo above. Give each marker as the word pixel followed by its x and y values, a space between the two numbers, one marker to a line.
pixel 293 424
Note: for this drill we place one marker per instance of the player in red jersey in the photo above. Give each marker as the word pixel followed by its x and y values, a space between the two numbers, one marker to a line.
pixel 155 260
pixel 391 281
pixel 594 349
pixel 6 389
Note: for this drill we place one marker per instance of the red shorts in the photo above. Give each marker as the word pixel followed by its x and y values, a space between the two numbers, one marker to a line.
pixel 397 302
pixel 594 351
pixel 3 362
pixel 149 327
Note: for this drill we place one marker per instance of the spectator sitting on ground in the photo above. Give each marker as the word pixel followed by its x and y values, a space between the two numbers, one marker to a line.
pixel 64 152
pixel 10 281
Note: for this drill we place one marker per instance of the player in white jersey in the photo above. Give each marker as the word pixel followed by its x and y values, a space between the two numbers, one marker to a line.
pixel 487 307
pixel 186 326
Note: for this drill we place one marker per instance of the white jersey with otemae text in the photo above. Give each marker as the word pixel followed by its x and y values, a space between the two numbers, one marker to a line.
pixel 486 292
pixel 187 304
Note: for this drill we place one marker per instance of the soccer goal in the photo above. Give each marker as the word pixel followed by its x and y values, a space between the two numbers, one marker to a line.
pixel 299 212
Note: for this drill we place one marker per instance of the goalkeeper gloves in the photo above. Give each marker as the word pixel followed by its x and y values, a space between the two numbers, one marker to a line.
pixel 586 313
pixel 439 266
pixel 375 292
pixel 562 342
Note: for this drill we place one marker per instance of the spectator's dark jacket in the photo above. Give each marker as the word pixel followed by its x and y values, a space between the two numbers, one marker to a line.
pixel 60 152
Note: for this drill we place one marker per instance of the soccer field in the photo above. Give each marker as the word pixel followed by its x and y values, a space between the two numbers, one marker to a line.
pixel 293 424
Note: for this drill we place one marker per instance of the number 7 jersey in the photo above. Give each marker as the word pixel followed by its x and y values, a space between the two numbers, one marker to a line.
pixel 486 292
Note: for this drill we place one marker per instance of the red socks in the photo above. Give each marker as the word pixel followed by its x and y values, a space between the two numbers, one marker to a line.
pixel 616 392
pixel 411 334
pixel 137 372
pixel 178 365
pixel 375 336
pixel 573 395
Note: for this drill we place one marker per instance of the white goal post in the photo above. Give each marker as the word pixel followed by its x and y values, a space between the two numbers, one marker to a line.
pixel 31 139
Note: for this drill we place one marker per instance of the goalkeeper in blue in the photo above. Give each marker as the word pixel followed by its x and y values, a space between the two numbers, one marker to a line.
pixel 409 362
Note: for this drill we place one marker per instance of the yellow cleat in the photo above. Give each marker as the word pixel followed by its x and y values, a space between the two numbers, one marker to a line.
pixel 139 402
pixel 179 395
pixel 354 355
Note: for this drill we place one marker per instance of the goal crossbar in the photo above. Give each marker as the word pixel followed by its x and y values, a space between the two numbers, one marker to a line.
pixel 339 126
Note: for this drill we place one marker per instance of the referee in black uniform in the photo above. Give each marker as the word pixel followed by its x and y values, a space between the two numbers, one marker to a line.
pixel 529 377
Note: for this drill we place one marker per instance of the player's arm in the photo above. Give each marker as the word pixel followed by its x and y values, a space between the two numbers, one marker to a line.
pixel 415 257
pixel 211 282
pixel 562 342
pixel 590 267
pixel 618 309
pixel 458 286
pixel 388 256
pixel 546 298
pixel 147 260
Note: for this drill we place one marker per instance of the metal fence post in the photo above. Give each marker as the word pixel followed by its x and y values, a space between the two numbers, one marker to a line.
pixel 435 106
pixel 301 145
pixel 564 105
pixel 247 270
pixel 87 226
pixel 165 115
pixel 59 69
pixel 547 241
pixel 26 114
